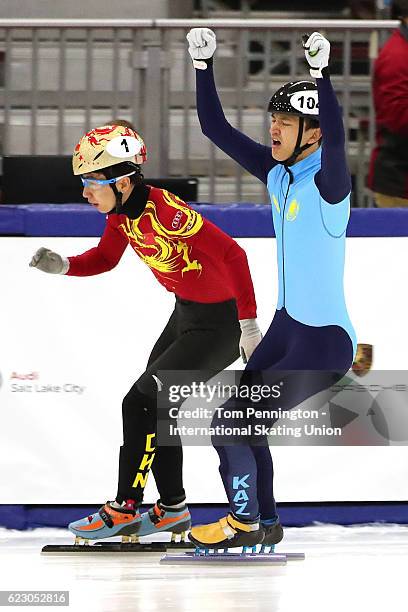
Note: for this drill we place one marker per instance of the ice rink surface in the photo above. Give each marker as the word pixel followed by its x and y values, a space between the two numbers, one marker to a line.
pixel 346 569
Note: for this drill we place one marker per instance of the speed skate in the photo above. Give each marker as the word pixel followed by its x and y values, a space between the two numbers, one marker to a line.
pixel 213 544
pixel 127 544
pixel 209 544
pixel 126 522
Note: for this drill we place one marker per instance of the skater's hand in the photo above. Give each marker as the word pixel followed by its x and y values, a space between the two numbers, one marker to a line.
pixel 317 53
pixel 48 261
pixel 250 338
pixel 201 46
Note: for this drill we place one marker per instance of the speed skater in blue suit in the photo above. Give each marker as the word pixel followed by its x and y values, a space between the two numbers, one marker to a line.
pixel 311 335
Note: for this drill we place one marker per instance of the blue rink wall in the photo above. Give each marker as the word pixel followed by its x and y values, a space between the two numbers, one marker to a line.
pixel 238 220
pixel 241 221
pixel 291 515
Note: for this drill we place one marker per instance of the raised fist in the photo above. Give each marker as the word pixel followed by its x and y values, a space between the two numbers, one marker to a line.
pixel 317 53
pixel 201 46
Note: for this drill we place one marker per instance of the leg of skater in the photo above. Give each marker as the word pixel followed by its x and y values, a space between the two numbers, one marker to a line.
pixel 315 348
pixel 237 460
pixel 138 420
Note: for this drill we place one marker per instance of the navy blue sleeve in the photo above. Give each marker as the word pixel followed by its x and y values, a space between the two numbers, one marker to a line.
pixel 251 155
pixel 333 180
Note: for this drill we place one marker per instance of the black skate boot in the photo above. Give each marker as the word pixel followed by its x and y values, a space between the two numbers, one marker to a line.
pixel 273 535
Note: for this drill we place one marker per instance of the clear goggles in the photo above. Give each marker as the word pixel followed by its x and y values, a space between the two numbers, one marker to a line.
pixel 99 183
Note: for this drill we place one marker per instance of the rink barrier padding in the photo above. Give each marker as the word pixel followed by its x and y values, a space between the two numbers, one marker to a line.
pixel 242 221
pixel 239 220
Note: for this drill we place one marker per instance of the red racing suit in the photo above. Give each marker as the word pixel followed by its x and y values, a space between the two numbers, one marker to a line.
pixel 188 254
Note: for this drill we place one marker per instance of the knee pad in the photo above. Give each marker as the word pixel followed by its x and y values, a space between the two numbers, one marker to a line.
pixel 148 384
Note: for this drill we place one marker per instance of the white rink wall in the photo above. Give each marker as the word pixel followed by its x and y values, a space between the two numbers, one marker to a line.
pixel 84 341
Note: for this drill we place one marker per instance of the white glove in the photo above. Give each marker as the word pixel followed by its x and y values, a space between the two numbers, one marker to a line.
pixel 250 338
pixel 317 53
pixel 201 46
pixel 48 261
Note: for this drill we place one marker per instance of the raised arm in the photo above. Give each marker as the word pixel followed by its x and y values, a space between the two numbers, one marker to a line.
pixel 253 156
pixel 333 180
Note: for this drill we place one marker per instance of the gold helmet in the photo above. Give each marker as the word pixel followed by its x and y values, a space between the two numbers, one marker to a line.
pixel 107 146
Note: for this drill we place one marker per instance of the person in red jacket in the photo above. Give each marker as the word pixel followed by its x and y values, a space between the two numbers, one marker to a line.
pixel 388 174
pixel 214 314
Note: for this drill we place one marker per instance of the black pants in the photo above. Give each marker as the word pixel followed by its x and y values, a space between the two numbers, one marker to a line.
pixel 196 337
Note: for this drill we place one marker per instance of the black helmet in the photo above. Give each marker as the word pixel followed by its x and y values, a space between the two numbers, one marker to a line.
pixel 296 98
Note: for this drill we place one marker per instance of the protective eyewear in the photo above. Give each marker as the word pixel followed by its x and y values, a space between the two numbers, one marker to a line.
pixel 99 183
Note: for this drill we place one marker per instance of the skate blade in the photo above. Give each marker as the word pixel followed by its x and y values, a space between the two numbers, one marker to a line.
pixel 180 546
pixel 104 547
pixel 267 549
pixel 216 558
pixel 294 556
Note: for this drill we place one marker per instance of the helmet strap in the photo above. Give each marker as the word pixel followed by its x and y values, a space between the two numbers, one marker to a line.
pixel 298 149
pixel 118 198
pixel 109 173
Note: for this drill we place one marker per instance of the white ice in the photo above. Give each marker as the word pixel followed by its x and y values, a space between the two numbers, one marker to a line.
pixel 346 569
